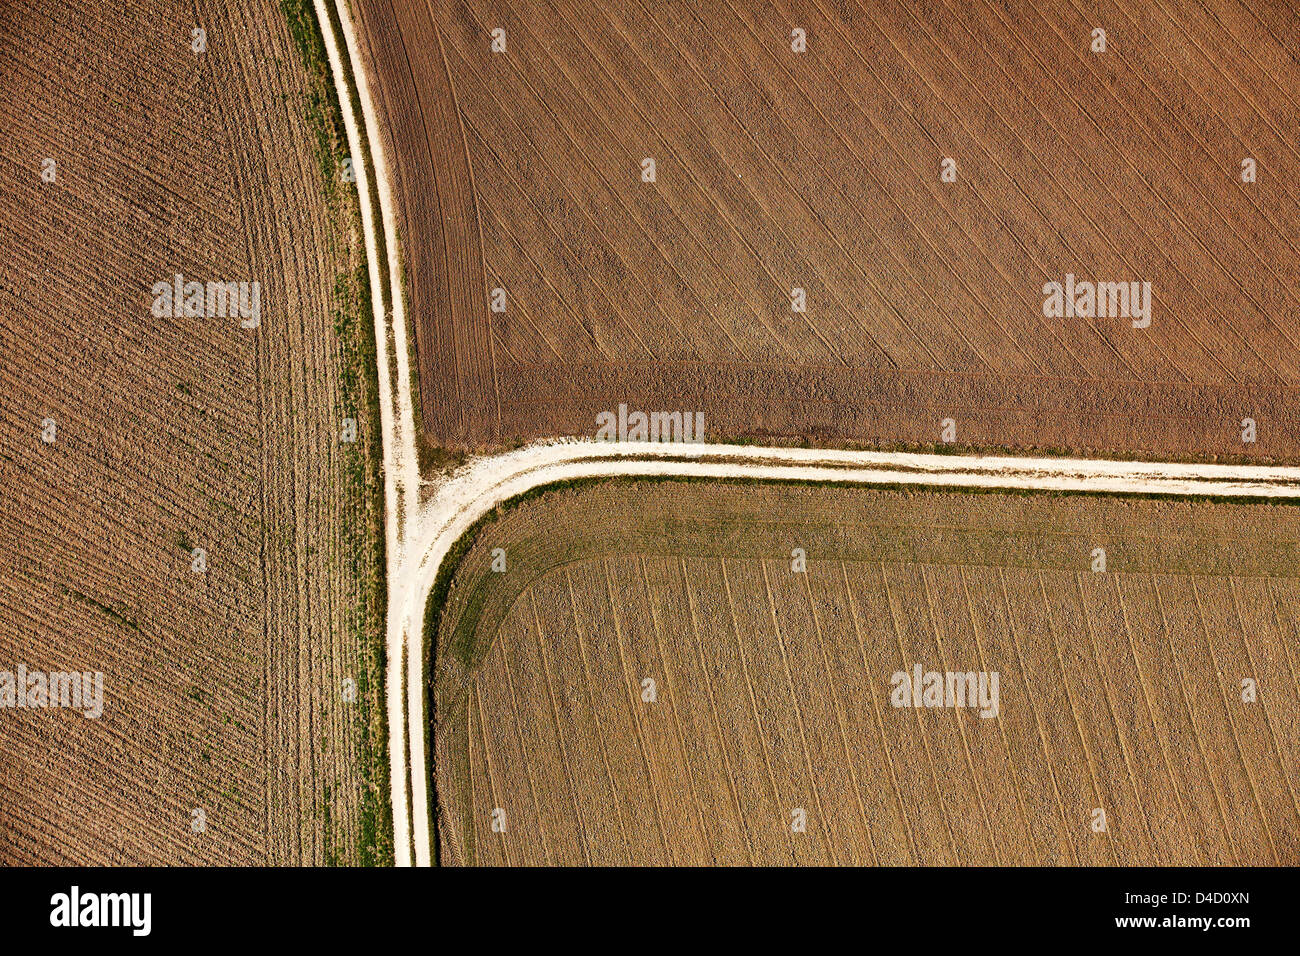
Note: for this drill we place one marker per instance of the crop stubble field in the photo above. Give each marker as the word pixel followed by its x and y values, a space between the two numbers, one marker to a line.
pixel 223 689
pixel 1118 690
pixel 821 170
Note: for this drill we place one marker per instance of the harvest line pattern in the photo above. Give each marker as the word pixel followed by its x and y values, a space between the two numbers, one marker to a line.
pixel 1120 690
pixel 819 170
pixel 174 433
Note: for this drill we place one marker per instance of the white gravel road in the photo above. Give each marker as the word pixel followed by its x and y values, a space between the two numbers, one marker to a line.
pixel 485 482
pixel 419 537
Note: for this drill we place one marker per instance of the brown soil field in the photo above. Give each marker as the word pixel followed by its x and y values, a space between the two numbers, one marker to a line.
pixel 820 170
pixel 1118 691
pixel 223 689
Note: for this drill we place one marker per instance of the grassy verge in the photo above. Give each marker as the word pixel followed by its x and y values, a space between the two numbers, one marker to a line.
pixel 1008 451
pixel 362 487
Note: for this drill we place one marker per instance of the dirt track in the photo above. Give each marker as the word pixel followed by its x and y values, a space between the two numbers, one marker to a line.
pixel 487 482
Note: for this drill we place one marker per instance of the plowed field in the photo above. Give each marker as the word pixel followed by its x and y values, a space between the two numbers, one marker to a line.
pixel 225 735
pixel 821 170
pixel 1120 691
